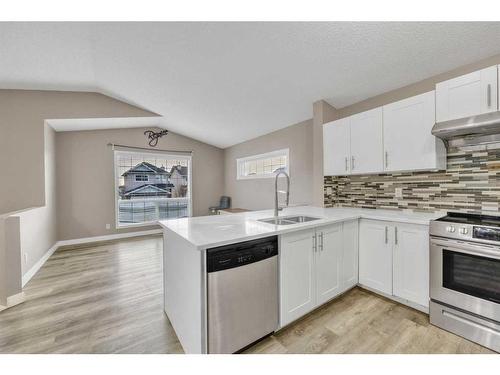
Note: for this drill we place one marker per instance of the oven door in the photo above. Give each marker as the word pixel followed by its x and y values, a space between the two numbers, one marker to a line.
pixel 466 276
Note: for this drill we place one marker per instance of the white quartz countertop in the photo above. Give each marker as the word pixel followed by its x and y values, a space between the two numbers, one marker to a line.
pixel 217 230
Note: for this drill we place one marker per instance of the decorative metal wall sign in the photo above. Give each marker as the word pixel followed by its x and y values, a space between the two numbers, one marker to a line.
pixel 154 136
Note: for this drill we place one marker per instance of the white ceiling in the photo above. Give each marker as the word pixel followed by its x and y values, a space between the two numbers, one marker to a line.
pixel 224 83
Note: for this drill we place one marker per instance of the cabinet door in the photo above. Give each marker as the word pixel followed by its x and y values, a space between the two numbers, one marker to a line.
pixel 367 142
pixel 375 255
pixel 336 148
pixel 467 95
pixel 408 142
pixel 349 269
pixel 328 262
pixel 297 275
pixel 411 263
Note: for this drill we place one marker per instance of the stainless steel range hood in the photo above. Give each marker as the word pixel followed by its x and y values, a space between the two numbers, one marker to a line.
pixel 469 131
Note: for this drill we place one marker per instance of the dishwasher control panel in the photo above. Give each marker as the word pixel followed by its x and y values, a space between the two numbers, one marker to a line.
pixel 239 254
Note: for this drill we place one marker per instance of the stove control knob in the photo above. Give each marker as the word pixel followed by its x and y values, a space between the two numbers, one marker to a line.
pixel 463 230
pixel 450 229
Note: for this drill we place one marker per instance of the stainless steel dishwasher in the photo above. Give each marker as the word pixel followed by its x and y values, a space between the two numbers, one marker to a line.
pixel 242 294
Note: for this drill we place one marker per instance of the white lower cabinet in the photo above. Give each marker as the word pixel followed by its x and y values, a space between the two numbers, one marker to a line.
pixel 297 275
pixel 375 255
pixel 349 269
pixel 394 259
pixel 316 265
pixel 411 263
pixel 328 262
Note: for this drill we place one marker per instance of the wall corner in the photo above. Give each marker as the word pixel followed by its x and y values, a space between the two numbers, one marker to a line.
pixel 322 113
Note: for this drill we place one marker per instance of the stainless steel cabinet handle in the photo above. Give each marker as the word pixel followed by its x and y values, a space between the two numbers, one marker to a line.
pixel 489 95
pixel 386 235
pixel 321 242
pixel 315 247
pixel 396 235
pixel 346 166
pixel 386 159
pixel 352 163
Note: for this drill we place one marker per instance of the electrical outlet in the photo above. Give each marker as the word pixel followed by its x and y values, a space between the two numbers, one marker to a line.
pixel 108 226
pixel 25 258
pixel 399 192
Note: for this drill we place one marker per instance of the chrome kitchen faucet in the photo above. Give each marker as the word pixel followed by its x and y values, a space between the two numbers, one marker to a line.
pixel 277 208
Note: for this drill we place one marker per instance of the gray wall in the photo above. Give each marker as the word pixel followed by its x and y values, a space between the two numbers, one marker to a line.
pixel 322 113
pixel 85 178
pixel 22 115
pixel 255 194
pixel 38 227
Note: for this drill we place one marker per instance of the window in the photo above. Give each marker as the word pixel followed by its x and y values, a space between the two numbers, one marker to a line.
pixel 263 165
pixel 151 186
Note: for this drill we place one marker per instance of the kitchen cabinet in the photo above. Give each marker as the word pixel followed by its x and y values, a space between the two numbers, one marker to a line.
pixel 367 142
pixel 471 94
pixel 349 269
pixel 316 265
pixel 394 260
pixel 297 274
pixel 328 262
pixel 408 142
pixel 353 145
pixel 375 255
pixel 336 147
pixel 411 263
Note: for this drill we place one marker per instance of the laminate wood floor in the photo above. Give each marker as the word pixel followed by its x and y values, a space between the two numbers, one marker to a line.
pixel 99 299
pixel 107 298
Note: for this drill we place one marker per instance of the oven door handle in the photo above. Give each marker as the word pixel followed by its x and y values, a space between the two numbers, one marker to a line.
pixel 469 248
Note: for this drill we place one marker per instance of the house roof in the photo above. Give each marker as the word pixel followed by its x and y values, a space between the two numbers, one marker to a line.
pixel 145 167
pixel 152 188
pixel 181 169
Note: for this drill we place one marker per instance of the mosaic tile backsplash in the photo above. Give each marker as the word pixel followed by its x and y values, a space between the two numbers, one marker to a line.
pixel 471 183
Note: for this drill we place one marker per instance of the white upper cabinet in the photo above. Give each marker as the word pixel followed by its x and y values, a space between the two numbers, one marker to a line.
pixel 408 142
pixel 336 147
pixel 471 94
pixel 411 263
pixel 367 142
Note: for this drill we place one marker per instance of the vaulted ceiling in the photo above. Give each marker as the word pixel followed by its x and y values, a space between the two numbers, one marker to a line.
pixel 224 83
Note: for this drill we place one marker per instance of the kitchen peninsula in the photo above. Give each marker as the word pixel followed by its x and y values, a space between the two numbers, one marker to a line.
pixel 317 260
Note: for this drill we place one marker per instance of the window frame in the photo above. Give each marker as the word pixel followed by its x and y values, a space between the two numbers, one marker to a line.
pixel 167 155
pixel 141 175
pixel 240 162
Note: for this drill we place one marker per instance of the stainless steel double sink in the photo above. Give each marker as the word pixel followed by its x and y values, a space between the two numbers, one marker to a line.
pixel 289 220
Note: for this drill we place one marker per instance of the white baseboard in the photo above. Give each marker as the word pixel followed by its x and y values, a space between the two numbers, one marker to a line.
pixel 413 305
pixel 108 237
pixel 14 300
pixel 33 270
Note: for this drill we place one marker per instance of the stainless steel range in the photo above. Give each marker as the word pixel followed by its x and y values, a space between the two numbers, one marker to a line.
pixel 465 277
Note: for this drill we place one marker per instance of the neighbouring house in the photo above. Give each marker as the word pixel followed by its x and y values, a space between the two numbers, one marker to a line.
pixel 146 180
pixel 179 179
